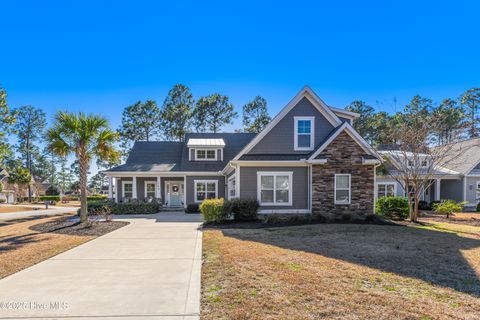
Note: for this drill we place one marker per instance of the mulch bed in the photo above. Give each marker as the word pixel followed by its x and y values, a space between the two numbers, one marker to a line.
pixel 70 227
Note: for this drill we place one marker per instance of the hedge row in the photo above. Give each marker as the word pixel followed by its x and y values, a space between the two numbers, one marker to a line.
pixel 72 198
pixel 107 206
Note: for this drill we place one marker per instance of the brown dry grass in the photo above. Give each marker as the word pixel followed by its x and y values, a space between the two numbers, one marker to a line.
pixel 337 271
pixel 17 208
pixel 23 244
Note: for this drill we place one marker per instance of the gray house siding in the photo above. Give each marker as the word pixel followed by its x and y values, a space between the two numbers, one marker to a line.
pixel 280 140
pixel 451 189
pixel 190 188
pixel 300 185
pixel 471 195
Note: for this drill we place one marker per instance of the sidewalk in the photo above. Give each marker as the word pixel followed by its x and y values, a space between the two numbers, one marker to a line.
pixel 53 210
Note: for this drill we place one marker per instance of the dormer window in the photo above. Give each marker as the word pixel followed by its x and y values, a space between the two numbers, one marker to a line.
pixel 205 149
pixel 304 133
pixel 206 154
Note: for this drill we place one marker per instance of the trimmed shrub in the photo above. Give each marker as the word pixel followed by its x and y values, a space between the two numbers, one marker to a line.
pixel 49 198
pixel 70 198
pixel 192 208
pixel 213 210
pixel 97 197
pixel 478 207
pixel 392 207
pixel 99 206
pixel 136 208
pixel 2 200
pixel 102 207
pixel 242 209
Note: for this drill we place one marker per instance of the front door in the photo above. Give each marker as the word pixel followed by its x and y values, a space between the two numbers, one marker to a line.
pixel 175 191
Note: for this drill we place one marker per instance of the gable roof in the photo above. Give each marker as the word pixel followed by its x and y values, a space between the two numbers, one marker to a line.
pixel 306 92
pixel 352 133
pixel 168 156
pixel 468 156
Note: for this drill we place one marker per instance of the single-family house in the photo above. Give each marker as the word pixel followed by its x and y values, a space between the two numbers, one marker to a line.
pixel 7 191
pixel 458 179
pixel 308 160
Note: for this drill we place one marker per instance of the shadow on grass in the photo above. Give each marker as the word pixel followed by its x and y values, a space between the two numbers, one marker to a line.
pixel 429 255
pixel 10 243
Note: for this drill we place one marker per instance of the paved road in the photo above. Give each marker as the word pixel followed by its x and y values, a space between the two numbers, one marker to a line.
pixel 22 214
pixel 149 269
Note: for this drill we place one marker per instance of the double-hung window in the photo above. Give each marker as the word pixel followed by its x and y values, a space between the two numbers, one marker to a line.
pixel 206 154
pixel 232 187
pixel 385 190
pixel 342 188
pixel 274 188
pixel 304 133
pixel 205 189
pixel 150 190
pixel 127 191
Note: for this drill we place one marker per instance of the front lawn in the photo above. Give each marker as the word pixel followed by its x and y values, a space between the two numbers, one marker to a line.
pixel 6 208
pixel 27 241
pixel 341 271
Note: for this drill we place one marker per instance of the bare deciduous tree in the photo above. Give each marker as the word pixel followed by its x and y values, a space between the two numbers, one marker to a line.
pixel 417 159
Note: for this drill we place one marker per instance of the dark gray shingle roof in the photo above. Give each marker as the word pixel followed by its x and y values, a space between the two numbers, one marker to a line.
pixel 164 156
pixel 153 156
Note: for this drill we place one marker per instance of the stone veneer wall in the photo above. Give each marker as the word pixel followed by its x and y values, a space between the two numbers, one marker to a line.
pixel 343 155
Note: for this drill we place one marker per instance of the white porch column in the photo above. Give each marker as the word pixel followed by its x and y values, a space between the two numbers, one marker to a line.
pixel 134 188
pixel 110 187
pixel 116 189
pixel 437 189
pixel 158 189
pixel 185 191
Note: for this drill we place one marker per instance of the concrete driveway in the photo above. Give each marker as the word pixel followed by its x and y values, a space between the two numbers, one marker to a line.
pixel 149 269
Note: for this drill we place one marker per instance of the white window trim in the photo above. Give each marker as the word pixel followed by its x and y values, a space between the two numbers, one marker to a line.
pixel 204 181
pixel 206 150
pixel 312 134
pixel 386 183
pixel 232 177
pixel 123 187
pixel 145 188
pixel 260 174
pixel 349 189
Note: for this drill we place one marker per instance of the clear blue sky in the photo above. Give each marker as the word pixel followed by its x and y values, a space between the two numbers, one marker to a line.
pixel 100 56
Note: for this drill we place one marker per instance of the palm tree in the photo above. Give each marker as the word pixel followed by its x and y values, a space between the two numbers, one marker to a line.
pixel 86 136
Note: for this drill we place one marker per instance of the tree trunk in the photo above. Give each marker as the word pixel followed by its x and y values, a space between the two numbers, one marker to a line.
pixel 414 216
pixel 83 164
pixel 29 166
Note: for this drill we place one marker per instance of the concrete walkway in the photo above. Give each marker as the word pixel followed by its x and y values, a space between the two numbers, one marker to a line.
pixel 149 269
pixel 53 210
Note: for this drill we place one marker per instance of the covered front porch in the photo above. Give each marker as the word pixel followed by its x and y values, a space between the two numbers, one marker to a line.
pixel 444 188
pixel 169 190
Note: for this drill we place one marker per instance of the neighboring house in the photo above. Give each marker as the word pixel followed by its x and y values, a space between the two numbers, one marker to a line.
pixel 7 191
pixel 309 159
pixel 39 187
pixel 459 180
